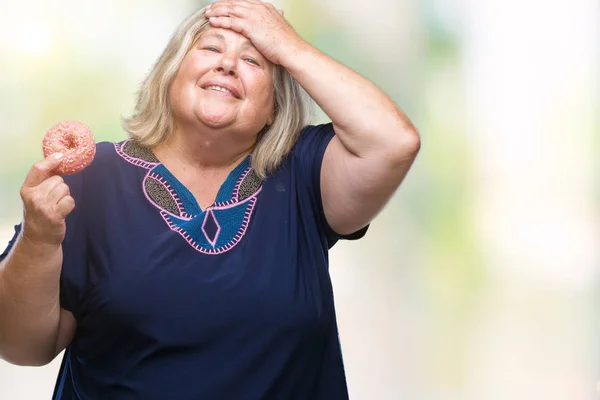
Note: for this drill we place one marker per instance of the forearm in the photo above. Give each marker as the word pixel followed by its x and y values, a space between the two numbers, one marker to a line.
pixel 366 120
pixel 29 303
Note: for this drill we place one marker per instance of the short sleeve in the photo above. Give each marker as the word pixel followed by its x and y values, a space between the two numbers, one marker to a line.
pixel 73 245
pixel 11 243
pixel 308 152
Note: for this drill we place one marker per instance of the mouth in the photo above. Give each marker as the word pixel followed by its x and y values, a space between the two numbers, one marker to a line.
pixel 222 88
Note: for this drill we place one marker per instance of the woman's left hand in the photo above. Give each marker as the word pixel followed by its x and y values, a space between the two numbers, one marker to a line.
pixel 260 22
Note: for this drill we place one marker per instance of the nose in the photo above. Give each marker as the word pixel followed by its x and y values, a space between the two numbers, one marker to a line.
pixel 228 64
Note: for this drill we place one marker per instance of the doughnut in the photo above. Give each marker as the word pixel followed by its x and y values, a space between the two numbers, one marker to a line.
pixel 75 141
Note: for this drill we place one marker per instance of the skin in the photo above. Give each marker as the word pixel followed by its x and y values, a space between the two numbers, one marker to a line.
pixel 375 143
pixel 34 328
pixel 214 130
pixel 373 149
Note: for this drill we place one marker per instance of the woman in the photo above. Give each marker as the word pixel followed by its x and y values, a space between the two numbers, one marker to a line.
pixel 190 261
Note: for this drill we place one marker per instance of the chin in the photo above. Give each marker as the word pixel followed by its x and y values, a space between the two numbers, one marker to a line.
pixel 215 123
pixel 215 119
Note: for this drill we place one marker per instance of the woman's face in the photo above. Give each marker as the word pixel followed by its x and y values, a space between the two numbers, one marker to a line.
pixel 223 83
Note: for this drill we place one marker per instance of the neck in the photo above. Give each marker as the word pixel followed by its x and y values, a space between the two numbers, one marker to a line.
pixel 216 151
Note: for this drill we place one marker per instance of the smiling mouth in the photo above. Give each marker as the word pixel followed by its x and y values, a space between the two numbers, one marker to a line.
pixel 220 89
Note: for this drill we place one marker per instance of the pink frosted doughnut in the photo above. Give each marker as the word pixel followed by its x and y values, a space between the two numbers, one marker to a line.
pixel 75 141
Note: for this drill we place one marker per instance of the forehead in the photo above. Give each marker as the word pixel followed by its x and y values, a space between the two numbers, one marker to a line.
pixel 228 36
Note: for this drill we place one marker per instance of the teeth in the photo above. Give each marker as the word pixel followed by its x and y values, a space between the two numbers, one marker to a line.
pixel 220 89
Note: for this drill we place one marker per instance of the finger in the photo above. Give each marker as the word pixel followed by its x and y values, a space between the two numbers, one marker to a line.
pixel 239 8
pixel 57 193
pixel 42 170
pixel 232 5
pixel 240 2
pixel 47 185
pixel 247 2
pixel 65 206
pixel 226 9
pixel 233 23
pixel 38 195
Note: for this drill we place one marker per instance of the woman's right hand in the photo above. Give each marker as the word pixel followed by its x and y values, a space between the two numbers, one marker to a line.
pixel 46 202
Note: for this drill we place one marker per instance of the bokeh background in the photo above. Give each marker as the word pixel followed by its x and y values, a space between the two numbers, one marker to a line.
pixel 480 279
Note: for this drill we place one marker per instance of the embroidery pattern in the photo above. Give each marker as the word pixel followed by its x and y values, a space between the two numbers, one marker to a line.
pixel 212 231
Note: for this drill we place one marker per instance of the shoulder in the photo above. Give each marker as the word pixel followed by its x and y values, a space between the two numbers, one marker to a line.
pixel 105 163
pixel 105 153
pixel 112 157
pixel 307 153
pixel 312 137
pixel 106 149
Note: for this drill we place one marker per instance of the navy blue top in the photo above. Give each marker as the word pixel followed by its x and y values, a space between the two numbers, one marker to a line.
pixel 176 302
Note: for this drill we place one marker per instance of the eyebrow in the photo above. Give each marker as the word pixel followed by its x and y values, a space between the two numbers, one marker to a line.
pixel 246 43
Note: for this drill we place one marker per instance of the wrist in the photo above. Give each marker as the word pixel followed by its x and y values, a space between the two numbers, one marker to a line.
pixel 293 52
pixel 36 247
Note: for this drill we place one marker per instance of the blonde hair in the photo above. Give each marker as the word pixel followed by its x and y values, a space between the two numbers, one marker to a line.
pixel 152 119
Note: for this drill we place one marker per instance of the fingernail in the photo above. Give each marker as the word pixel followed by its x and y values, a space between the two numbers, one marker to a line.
pixel 58 156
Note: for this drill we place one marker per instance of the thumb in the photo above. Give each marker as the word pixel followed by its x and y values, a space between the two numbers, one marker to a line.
pixel 43 170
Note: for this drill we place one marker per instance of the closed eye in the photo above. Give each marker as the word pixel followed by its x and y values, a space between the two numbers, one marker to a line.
pixel 213 49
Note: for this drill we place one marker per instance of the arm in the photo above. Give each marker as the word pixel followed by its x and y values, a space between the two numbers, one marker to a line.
pixel 375 143
pixel 374 146
pixel 33 328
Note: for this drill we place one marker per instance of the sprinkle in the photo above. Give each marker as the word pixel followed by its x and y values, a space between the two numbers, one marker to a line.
pixel 74 140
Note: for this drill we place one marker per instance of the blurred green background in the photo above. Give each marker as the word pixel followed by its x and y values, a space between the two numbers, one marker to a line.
pixel 480 278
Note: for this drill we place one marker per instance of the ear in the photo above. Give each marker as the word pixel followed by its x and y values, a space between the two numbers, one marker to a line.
pixel 271 118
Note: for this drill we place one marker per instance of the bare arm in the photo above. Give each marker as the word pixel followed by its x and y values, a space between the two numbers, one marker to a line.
pixel 374 146
pixel 33 328
pixel 375 143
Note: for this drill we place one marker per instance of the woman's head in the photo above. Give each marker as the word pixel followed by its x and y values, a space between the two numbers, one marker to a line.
pixel 225 84
pixel 185 82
